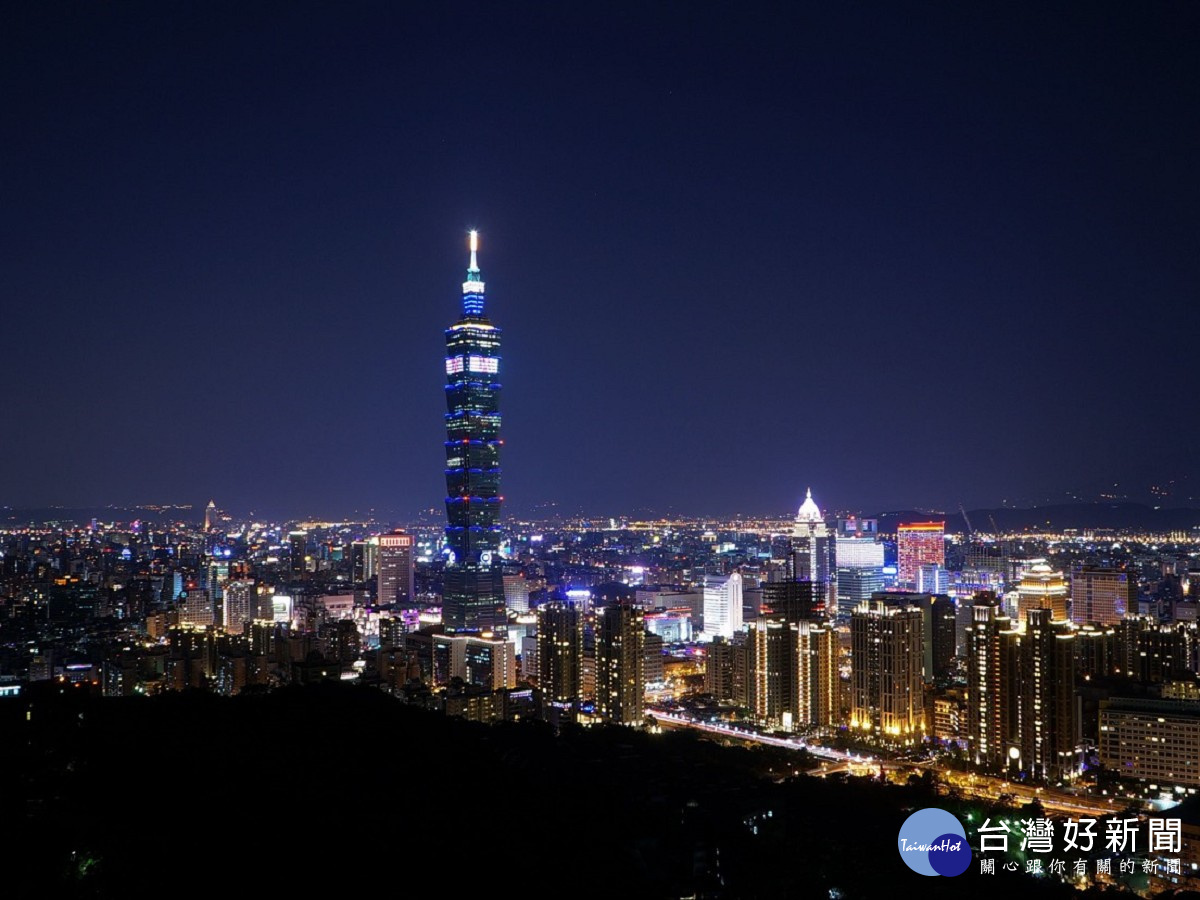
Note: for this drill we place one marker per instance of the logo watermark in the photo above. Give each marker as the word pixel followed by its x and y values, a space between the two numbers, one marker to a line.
pixel 933 842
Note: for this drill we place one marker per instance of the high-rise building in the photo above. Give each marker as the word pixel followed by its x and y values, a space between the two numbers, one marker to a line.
pixel 722 604
pixel 793 673
pixel 992 704
pixel 1103 596
pixel 516 593
pixel 559 652
pixel 364 557
pixel 887 690
pixel 620 663
pixel 794 601
pixel 1050 733
pixel 932 579
pixel 394 568
pixel 487 662
pixel 813 549
pixel 297 552
pixel 241 599
pixel 718 668
pixel 859 557
pixel 1023 712
pixel 473 593
pixel 210 515
pixel 918 543
pixel 196 608
pixel 1152 740
pixel 1041 587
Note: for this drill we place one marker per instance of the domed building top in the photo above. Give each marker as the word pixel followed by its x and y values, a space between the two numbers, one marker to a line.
pixel 809 511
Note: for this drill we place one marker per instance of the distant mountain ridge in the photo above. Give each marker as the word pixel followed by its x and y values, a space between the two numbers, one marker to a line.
pixel 1133 517
pixel 1116 516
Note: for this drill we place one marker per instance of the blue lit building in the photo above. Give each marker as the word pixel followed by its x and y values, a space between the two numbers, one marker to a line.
pixel 473 595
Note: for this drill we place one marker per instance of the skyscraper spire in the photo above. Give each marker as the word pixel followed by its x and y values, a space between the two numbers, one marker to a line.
pixel 473 286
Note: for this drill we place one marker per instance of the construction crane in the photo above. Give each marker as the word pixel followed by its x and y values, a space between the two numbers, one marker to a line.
pixel 967 519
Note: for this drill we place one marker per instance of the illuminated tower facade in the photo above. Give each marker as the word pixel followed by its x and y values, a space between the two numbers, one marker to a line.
pixel 918 544
pixel 473 595
pixel 812 551
pixel 1102 595
pixel 886 657
pixel 394 568
pixel 1043 588
pixel 620 663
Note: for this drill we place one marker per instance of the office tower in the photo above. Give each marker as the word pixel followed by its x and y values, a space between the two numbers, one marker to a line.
pixel 664 597
pixel 722 604
pixel 485 662
pixel 993 714
pixel 210 516
pixel 674 626
pixel 859 557
pixel 1150 740
pixel 297 551
pixel 793 601
pixel 887 691
pixel 489 662
pixel 473 594
pixel 1103 596
pixel 1041 587
pixel 394 567
pixel 918 543
pixel 363 560
pixel 516 593
pixel 559 652
pixel 216 574
pixel 241 598
pixel 854 528
pixel 1050 733
pixel 812 550
pixel 793 673
pixel 620 663
pixel 932 579
pixel 196 609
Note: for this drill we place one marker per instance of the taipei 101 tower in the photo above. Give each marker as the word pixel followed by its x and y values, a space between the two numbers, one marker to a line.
pixel 473 596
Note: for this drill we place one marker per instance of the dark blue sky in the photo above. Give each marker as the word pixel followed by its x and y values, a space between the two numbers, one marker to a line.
pixel 910 255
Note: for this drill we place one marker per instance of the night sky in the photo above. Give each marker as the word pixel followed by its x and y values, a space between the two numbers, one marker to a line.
pixel 909 254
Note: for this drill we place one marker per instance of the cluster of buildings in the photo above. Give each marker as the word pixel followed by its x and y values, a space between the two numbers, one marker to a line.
pixel 1038 656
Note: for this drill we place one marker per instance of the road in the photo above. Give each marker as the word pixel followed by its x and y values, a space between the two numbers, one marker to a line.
pixel 984 787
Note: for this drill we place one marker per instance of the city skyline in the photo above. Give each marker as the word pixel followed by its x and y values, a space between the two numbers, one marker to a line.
pixel 224 274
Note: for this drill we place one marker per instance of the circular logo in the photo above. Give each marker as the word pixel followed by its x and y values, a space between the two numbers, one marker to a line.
pixel 933 842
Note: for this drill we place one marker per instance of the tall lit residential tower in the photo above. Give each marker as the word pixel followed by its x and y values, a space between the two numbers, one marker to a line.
pixel 620 663
pixel 918 543
pixel 559 652
pixel 1050 712
pixel 887 690
pixel 993 713
pixel 473 596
